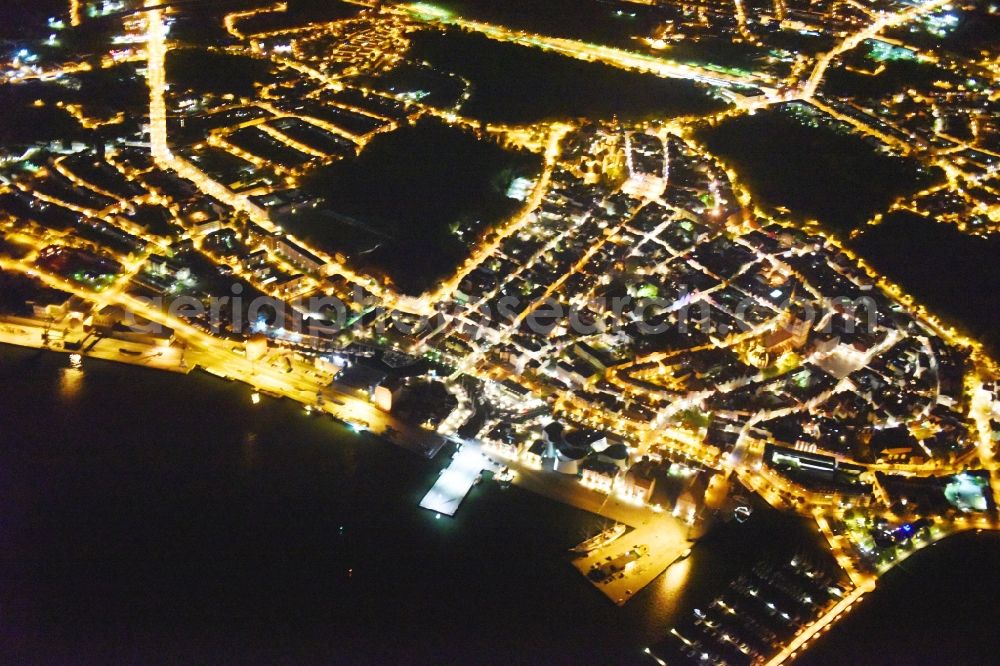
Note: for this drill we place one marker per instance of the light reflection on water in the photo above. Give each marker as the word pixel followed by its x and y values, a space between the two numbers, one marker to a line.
pixel 249 450
pixel 675 578
pixel 70 383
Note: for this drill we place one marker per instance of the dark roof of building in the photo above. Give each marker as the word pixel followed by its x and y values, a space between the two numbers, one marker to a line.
pixel 361 377
pixel 554 430
pixel 584 437
pixel 600 466
pixel 616 452
pixel 571 452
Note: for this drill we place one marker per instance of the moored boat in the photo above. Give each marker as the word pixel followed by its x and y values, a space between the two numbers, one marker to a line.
pixel 599 540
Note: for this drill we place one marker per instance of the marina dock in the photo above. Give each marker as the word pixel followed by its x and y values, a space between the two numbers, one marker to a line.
pixel 455 481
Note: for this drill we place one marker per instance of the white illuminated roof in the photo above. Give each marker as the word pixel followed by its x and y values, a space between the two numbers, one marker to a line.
pixel 455 482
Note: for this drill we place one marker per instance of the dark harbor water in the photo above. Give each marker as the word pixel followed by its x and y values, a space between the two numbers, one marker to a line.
pixel 940 607
pixel 155 518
